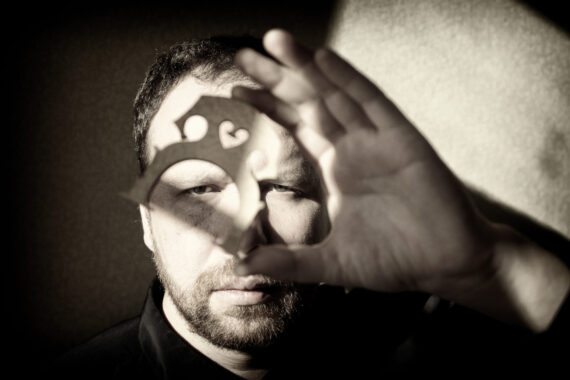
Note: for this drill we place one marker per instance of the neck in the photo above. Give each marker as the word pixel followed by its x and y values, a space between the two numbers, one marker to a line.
pixel 237 362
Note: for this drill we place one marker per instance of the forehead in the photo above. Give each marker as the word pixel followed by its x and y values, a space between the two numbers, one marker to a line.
pixel 284 153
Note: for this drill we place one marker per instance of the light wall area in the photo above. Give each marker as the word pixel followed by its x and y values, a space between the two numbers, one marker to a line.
pixel 487 82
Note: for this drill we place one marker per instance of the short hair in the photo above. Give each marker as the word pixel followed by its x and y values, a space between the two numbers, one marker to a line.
pixel 209 59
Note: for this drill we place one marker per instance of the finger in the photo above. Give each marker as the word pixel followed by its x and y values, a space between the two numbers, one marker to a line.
pixel 265 102
pixel 292 88
pixel 347 112
pixel 303 264
pixel 283 46
pixel 315 137
pixel 285 84
pixel 379 109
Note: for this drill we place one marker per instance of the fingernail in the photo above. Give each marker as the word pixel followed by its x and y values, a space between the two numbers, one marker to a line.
pixel 241 270
pixel 237 91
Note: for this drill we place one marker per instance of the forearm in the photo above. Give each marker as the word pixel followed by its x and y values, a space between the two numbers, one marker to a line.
pixel 523 284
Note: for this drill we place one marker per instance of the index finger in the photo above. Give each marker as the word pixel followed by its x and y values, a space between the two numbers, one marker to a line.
pixel 293 55
pixel 379 109
pixel 283 46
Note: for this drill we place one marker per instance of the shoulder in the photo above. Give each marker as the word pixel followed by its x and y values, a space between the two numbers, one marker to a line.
pixel 109 354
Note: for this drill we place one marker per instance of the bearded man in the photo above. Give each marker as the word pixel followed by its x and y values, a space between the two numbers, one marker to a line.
pixel 368 258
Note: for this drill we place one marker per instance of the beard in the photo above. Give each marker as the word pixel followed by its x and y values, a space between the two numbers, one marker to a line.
pixel 246 328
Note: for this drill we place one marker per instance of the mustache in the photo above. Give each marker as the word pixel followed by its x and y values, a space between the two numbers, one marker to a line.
pixel 223 277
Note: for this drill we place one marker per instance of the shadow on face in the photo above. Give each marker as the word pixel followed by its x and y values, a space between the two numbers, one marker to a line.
pixel 199 199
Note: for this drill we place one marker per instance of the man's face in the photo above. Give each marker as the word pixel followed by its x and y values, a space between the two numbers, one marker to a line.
pixel 192 207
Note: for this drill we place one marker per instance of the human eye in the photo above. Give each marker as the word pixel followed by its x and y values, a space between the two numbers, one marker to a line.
pixel 285 190
pixel 280 188
pixel 200 190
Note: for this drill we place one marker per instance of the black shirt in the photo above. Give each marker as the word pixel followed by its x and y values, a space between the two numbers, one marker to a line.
pixel 356 334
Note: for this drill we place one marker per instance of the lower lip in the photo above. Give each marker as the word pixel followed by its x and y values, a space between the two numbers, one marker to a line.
pixel 241 297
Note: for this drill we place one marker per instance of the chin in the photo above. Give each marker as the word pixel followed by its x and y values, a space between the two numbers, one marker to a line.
pixel 249 328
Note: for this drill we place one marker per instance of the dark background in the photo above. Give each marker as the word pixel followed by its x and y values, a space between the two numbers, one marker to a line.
pixel 75 260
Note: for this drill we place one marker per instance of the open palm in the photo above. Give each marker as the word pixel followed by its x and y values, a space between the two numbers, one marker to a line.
pixel 400 219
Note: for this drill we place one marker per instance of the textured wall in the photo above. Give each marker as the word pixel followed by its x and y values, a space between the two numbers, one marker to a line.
pixel 487 82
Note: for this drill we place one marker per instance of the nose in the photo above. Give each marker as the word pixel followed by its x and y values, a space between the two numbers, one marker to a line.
pixel 255 235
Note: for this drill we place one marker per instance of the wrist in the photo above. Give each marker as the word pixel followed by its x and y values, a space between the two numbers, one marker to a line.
pixel 520 283
pixel 535 282
pixel 475 272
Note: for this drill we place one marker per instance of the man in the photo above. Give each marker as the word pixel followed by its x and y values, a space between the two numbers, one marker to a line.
pixel 361 204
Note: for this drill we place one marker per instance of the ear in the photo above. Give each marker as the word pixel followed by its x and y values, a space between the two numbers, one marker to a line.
pixel 147 232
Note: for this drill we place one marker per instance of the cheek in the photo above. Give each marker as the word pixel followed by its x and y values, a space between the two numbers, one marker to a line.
pixel 204 217
pixel 185 240
pixel 211 220
pixel 182 251
pixel 296 221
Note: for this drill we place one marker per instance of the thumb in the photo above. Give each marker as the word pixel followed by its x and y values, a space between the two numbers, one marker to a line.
pixel 305 264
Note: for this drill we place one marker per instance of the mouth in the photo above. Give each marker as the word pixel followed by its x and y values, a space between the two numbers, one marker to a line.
pixel 248 291
pixel 241 297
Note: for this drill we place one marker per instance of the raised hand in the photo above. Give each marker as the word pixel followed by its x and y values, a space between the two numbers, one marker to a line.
pixel 400 219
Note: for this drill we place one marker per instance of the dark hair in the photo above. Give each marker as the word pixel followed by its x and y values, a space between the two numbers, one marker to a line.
pixel 206 59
